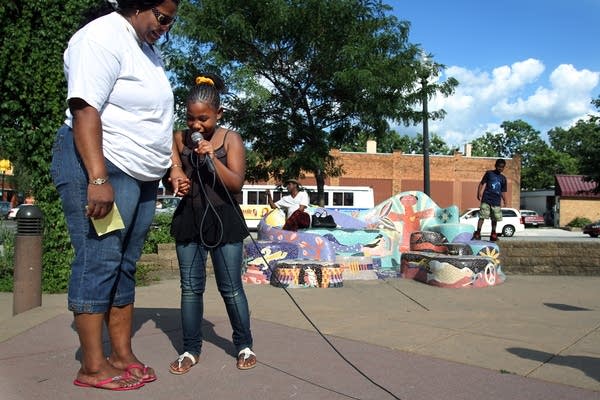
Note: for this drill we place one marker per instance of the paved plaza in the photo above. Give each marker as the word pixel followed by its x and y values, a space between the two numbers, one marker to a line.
pixel 534 337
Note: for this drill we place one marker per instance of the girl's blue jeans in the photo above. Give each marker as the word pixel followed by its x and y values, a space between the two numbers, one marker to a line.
pixel 227 261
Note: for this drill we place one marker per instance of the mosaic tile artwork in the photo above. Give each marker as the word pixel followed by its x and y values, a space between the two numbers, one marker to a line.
pixel 407 235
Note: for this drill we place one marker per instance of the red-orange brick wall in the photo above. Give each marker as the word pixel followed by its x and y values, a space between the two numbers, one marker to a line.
pixel 453 179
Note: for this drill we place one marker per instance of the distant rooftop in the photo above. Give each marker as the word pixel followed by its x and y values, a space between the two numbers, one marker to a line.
pixel 574 186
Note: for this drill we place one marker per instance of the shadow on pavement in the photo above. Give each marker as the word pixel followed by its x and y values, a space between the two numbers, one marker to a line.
pixel 168 321
pixel 588 365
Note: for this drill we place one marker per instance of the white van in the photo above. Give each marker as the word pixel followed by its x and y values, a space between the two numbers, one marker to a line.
pixel 511 223
pixel 346 199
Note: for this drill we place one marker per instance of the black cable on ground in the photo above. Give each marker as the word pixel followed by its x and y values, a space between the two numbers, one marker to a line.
pixel 350 363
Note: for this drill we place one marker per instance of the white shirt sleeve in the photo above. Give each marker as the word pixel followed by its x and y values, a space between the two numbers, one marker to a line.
pixel 303 199
pixel 92 71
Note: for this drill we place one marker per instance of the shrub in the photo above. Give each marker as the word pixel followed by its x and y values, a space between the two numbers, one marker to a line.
pixel 58 252
pixel 145 274
pixel 160 232
pixel 7 253
pixel 579 222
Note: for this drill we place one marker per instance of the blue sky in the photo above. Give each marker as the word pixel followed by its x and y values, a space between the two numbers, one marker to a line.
pixel 535 60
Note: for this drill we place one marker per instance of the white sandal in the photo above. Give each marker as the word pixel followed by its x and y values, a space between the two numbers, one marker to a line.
pixel 180 361
pixel 245 355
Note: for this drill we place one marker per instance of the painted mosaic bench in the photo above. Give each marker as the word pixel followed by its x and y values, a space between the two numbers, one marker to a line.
pixel 372 243
pixel 434 261
pixel 306 274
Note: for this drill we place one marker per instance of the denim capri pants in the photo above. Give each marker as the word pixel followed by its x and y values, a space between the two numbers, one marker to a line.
pixel 103 270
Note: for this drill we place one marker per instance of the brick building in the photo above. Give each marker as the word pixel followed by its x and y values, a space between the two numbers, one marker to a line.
pixel 453 179
pixel 575 198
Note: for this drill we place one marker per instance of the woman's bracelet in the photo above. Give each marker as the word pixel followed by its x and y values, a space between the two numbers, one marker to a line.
pixel 176 166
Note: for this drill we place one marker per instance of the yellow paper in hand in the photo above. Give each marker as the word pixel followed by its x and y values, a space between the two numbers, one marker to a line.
pixel 111 222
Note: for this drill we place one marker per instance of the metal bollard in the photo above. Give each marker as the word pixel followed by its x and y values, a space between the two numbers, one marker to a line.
pixel 27 291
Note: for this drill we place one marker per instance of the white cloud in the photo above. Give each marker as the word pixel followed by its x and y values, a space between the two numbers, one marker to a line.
pixel 483 100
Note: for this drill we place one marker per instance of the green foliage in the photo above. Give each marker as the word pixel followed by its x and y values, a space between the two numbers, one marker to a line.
pixel 539 163
pixel 544 166
pixel 517 137
pixel 581 142
pixel 393 141
pixel 145 274
pixel 310 75
pixel 57 250
pixel 160 232
pixel 7 253
pixel 579 222
pixel 32 109
pixel 436 145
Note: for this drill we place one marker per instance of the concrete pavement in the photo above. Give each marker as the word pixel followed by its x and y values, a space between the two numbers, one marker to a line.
pixel 534 337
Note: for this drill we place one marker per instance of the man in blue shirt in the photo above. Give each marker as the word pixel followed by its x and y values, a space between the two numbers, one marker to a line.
pixel 490 193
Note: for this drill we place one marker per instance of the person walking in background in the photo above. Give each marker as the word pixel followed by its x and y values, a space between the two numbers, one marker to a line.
pixel 294 204
pixel 209 220
pixel 490 192
pixel 108 158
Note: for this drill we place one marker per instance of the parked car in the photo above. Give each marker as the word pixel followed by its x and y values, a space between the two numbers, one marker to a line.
pixel 511 223
pixel 167 203
pixel 592 229
pixel 532 218
pixel 4 209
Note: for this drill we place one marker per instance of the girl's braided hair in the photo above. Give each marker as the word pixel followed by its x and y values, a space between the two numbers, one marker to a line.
pixel 207 89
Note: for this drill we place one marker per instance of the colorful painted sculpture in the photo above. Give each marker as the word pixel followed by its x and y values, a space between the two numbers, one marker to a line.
pixel 408 235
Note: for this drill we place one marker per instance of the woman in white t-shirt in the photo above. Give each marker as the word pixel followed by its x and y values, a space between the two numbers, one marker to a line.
pixel 294 205
pixel 108 157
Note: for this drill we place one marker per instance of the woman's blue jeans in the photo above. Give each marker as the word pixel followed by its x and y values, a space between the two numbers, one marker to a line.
pixel 227 262
pixel 103 270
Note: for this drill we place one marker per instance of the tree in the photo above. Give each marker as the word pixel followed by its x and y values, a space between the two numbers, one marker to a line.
pixel 32 109
pixel 436 145
pixel 591 152
pixel 544 166
pixel 385 144
pixel 582 143
pixel 308 75
pixel 518 137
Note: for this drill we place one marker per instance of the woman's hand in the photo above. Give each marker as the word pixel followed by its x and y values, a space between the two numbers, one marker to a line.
pixel 100 200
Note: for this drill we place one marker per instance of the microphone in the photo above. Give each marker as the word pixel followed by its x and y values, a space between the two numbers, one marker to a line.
pixel 197 138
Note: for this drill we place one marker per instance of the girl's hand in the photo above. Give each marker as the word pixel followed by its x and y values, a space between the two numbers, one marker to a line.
pixel 205 148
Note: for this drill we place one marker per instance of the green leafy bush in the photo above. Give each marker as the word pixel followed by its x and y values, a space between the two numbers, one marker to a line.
pixel 579 222
pixel 57 250
pixel 145 274
pixel 160 232
pixel 7 253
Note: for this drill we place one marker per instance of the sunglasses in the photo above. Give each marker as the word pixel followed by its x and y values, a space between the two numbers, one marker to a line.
pixel 163 19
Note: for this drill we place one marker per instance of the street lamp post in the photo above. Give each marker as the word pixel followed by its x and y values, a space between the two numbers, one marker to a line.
pixel 5 165
pixel 425 137
pixel 425 71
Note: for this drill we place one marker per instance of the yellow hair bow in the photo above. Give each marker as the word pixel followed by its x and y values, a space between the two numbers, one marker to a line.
pixel 202 79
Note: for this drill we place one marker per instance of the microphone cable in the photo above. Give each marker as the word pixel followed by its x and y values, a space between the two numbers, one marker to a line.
pixel 197 163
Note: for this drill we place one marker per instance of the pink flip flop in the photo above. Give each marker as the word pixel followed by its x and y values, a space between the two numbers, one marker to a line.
pixel 144 369
pixel 102 384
